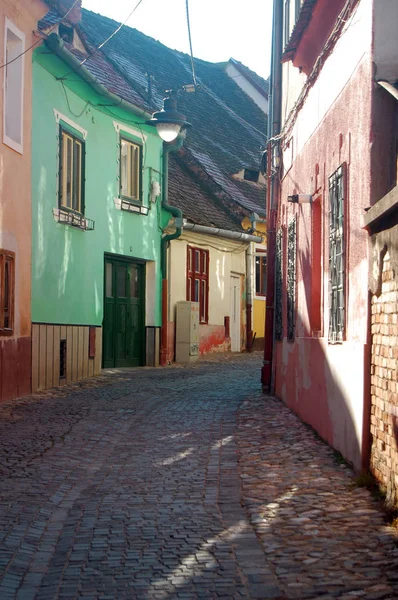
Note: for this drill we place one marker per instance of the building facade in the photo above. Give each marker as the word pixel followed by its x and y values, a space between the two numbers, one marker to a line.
pixel 97 221
pixel 18 21
pixel 323 165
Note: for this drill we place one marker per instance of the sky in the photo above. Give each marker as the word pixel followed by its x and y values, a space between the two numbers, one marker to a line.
pixel 220 29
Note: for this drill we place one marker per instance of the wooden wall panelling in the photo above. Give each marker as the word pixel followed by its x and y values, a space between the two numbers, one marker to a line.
pixel 42 356
pixel 57 339
pixel 69 353
pixel 85 351
pixel 75 352
pixel 80 357
pixel 98 351
pixel 35 357
pixel 49 356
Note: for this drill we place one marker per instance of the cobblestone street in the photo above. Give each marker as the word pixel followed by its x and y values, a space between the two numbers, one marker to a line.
pixel 181 483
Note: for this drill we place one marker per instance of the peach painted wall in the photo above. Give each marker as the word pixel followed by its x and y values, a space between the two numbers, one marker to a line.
pixel 15 205
pixel 326 384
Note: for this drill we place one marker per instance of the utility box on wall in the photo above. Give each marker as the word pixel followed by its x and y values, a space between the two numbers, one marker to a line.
pixel 187 331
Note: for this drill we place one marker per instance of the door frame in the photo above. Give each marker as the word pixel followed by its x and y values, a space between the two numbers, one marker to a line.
pixel 126 260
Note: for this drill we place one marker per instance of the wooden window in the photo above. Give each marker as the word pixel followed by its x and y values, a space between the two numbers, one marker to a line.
pixel 336 257
pixel 130 171
pixel 7 287
pixel 13 87
pixel 71 172
pixel 198 280
pixel 261 273
pixel 286 19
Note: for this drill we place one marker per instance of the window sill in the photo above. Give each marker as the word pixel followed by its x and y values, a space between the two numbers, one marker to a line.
pixel 129 206
pixel 6 332
pixel 72 218
pixel 260 297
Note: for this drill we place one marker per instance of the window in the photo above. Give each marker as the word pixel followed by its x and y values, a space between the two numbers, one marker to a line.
pixel 278 286
pixel 14 46
pixel 291 279
pixel 336 257
pixel 198 280
pixel 286 22
pixel 130 171
pixel 251 175
pixel 7 285
pixel 261 273
pixel 297 10
pixel 71 172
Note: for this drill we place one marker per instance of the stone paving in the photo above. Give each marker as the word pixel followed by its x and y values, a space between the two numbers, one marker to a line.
pixel 181 483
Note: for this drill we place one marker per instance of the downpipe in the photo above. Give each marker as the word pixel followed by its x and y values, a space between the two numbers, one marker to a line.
pixel 166 239
pixel 249 298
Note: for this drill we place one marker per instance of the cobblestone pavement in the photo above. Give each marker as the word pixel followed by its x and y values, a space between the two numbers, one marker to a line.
pixel 130 486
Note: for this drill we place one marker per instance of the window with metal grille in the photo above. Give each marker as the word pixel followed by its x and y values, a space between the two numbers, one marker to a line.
pixel 291 279
pixel 7 286
pixel 198 280
pixel 130 171
pixel 336 257
pixel 71 172
pixel 278 286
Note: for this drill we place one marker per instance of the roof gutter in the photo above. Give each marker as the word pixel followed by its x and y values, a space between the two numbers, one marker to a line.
pixel 55 44
pixel 390 88
pixel 224 233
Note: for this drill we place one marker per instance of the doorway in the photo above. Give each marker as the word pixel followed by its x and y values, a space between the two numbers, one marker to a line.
pixel 124 301
pixel 235 313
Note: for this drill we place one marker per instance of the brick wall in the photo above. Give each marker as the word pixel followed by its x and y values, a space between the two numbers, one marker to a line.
pixel 384 382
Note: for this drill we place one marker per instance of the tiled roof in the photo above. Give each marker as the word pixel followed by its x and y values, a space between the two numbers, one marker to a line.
pixel 197 205
pixel 228 129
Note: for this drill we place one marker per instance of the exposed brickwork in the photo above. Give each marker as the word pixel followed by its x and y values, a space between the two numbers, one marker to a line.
pixel 384 382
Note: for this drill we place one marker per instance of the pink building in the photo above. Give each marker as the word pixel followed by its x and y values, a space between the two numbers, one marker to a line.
pixel 328 165
pixel 18 21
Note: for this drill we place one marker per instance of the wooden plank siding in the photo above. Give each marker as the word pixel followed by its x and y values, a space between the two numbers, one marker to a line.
pixel 46 346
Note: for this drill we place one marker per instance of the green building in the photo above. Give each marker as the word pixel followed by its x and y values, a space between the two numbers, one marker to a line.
pixel 97 216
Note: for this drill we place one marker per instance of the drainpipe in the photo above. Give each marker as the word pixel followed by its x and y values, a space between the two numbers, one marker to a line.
pixel 249 298
pixel 166 239
pixel 274 127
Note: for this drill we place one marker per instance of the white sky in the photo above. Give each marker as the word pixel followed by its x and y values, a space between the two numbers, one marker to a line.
pixel 220 29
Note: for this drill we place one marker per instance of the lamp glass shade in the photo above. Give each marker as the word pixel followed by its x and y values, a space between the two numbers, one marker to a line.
pixel 168 131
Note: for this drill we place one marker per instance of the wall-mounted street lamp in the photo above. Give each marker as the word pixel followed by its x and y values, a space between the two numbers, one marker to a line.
pixel 300 199
pixel 168 121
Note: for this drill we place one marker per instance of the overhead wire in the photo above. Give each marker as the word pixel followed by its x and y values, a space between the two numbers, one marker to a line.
pixel 190 43
pixel 97 48
pixel 39 40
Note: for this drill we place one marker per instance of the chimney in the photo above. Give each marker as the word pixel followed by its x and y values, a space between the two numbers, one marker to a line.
pixel 75 14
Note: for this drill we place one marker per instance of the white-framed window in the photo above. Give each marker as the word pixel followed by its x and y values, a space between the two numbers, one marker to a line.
pixel 14 46
pixel 261 273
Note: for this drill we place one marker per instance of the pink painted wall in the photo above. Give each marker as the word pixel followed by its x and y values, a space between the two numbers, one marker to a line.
pixel 326 384
pixel 15 208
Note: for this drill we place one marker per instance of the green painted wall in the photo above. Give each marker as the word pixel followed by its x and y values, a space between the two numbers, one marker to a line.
pixel 67 263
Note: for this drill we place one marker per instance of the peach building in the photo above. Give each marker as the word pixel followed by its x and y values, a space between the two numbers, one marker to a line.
pixel 18 22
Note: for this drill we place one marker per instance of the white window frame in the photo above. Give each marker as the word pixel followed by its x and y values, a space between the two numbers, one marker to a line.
pixel 9 26
pixel 262 252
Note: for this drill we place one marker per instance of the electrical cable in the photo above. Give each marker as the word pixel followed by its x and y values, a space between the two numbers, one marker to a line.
pixel 77 116
pixel 118 28
pixel 40 40
pixel 190 43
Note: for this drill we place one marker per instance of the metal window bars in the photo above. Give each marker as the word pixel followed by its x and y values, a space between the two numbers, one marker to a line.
pixel 278 287
pixel 291 278
pixel 336 257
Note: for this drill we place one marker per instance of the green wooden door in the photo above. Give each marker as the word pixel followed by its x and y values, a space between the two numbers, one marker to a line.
pixel 123 328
